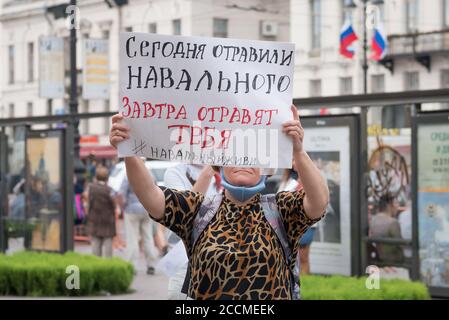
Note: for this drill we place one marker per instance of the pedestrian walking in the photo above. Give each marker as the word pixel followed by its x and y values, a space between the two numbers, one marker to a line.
pixel 101 205
pixel 138 227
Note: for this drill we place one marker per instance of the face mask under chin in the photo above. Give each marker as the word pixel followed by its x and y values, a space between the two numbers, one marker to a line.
pixel 243 193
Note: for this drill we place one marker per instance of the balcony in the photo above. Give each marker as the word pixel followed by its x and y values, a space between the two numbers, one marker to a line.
pixel 421 46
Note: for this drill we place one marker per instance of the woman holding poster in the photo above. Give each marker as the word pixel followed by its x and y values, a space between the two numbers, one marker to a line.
pixel 240 244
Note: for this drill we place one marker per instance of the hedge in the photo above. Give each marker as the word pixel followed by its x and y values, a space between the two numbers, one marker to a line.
pixel 350 288
pixel 44 274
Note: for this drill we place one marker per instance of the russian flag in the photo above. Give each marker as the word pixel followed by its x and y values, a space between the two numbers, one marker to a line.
pixel 347 37
pixel 378 44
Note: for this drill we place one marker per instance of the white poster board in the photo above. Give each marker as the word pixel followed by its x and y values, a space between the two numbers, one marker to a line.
pixel 51 67
pixel 329 148
pixel 206 100
pixel 96 81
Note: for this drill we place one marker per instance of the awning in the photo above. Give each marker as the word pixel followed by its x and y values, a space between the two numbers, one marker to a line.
pixel 100 152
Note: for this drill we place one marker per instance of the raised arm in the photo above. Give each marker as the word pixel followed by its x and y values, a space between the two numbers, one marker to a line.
pixel 143 185
pixel 204 180
pixel 316 191
pixel 176 180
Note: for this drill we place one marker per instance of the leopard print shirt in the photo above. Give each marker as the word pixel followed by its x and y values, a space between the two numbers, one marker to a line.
pixel 238 255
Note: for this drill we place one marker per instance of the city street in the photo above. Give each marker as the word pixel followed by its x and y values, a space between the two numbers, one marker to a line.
pixel 276 138
pixel 144 287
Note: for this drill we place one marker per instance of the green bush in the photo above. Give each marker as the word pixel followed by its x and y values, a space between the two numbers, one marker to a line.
pixel 44 274
pixel 350 288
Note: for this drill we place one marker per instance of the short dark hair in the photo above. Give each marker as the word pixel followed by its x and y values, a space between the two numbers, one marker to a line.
pixel 385 200
pixel 102 173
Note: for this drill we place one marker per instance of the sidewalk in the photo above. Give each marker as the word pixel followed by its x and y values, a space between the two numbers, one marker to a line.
pixel 145 287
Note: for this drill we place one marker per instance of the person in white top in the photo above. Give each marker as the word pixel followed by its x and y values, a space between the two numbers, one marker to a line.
pixel 186 176
pixel 198 178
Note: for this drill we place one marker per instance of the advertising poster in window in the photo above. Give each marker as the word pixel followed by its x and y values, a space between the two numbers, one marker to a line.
pixel 44 190
pixel 433 203
pixel 330 251
pixel 51 67
pixel 96 69
pixel 389 199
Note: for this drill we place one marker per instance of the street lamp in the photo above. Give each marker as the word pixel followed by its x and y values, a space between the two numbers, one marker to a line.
pixel 73 100
pixel 116 3
pixel 351 5
pixel 60 11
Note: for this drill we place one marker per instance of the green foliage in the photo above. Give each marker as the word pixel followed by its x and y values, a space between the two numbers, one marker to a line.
pixel 44 274
pixel 350 288
pixel 17 228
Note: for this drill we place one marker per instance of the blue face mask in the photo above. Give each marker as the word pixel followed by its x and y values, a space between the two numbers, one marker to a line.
pixel 242 193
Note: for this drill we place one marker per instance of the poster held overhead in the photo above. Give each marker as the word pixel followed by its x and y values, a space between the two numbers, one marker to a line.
pixel 206 100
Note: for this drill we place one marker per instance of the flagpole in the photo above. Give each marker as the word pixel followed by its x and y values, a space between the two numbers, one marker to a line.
pixel 365 51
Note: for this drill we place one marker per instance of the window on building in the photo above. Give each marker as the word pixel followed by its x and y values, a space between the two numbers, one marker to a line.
pixel 29 109
pixel 49 107
pixel 346 10
pixel 446 13
pixel 66 53
pixel 396 117
pixel 106 34
pixel 152 27
pixel 380 13
pixel 220 28
pixel 30 62
pixel 85 122
pixel 107 121
pixel 411 80
pixel 445 78
pixel 11 62
pixel 377 83
pixel 315 88
pixel 176 26
pixel 411 14
pixel 346 85
pixel 129 29
pixel 11 110
pixel 316 23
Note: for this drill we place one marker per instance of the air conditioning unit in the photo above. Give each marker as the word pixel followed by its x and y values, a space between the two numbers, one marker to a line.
pixel 269 28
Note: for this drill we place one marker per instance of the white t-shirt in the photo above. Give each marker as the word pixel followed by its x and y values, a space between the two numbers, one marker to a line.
pixel 176 178
pixel 289 185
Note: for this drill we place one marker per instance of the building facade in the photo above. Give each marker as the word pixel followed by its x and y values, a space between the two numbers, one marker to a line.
pixel 417 54
pixel 23 21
